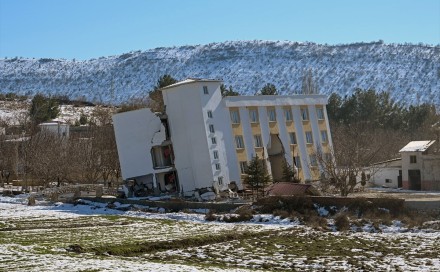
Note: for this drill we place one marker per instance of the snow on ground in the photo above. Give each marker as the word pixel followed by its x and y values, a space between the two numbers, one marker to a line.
pixel 16 112
pixel 36 238
pixel 15 212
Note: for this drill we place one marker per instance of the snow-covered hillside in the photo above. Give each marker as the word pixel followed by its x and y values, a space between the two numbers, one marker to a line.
pixel 411 73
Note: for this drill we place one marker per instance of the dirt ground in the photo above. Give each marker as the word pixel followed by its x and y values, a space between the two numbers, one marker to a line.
pixel 419 200
pixel 397 193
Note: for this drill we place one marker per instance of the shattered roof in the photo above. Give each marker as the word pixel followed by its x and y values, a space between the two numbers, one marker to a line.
pixel 288 188
pixel 417 146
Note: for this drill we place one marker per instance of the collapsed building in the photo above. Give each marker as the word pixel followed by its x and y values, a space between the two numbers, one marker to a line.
pixel 204 140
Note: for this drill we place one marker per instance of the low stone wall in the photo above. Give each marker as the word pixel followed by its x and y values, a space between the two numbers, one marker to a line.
pixel 172 204
pixel 423 205
pixel 392 204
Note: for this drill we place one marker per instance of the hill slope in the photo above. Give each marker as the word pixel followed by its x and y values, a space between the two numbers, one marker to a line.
pixel 411 73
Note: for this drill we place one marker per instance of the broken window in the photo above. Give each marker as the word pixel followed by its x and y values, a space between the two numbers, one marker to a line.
pixel 239 141
pixel 253 114
pixel 292 137
pixel 235 117
pixel 243 167
pixel 324 136
pixel 304 114
pixel 257 141
pixel 309 137
pixel 320 113
pixel 272 115
pixel 162 156
pixel 288 114
pixel 297 161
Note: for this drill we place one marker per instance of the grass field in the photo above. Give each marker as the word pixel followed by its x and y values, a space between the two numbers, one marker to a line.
pixel 65 237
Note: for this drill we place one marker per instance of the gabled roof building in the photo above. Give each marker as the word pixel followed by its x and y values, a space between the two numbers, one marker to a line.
pixel 203 140
pixel 418 168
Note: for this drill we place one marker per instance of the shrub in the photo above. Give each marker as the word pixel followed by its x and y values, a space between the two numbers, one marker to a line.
pixel 281 213
pixel 294 203
pixel 342 222
pixel 245 215
pixel 210 216
pixel 315 221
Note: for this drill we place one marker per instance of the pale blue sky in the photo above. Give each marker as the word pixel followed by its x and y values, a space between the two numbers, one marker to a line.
pixel 84 29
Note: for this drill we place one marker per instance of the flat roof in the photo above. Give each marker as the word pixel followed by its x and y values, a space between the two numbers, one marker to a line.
pixel 275 100
pixel 188 81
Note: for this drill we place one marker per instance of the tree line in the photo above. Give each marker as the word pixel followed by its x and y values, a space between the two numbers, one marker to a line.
pixel 366 127
pixel 379 110
pixel 369 127
pixel 44 158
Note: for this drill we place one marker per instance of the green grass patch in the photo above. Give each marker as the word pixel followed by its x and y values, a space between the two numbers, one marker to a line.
pixel 134 249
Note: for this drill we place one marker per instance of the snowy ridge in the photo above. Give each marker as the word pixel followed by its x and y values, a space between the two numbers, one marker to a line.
pixel 411 73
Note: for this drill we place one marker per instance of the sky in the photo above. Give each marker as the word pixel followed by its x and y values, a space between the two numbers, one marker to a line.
pixel 84 29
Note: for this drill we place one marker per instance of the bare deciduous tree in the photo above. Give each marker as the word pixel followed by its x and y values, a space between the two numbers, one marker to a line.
pixel 341 168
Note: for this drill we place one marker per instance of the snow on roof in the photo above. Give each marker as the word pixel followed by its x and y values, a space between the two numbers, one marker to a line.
pixel 417 146
pixel 20 139
pixel 52 124
pixel 190 80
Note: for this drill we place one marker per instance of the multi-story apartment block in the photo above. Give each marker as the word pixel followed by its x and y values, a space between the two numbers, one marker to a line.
pixel 204 140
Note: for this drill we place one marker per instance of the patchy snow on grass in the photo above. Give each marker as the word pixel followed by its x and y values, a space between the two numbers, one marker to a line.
pixel 36 238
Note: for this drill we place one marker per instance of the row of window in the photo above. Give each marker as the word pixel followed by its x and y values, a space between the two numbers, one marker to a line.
pixel 213 139
pixel 296 160
pixel 239 143
pixel 271 114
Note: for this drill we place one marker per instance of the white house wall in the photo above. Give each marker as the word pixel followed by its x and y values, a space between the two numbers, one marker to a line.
pixel 300 137
pixel 247 133
pixel 136 132
pixel 284 136
pixel 223 133
pixel 383 173
pixel 185 120
pixel 187 108
pixel 265 135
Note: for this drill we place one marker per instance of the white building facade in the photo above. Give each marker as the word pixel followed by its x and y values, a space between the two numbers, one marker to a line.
pixel 210 139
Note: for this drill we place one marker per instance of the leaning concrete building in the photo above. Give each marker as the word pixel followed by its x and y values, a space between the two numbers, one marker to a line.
pixel 203 140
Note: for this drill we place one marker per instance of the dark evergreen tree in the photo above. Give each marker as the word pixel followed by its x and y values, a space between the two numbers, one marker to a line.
pixel 83 119
pixel 363 179
pixel 163 81
pixel 228 92
pixel 43 109
pixel 257 176
pixel 269 89
pixel 289 173
pixel 333 107
pixel 156 94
